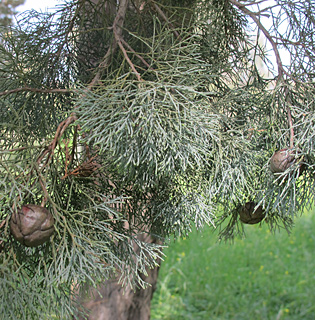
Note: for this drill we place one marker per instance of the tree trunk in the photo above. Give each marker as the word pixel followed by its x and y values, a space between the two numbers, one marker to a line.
pixel 111 301
pixel 118 303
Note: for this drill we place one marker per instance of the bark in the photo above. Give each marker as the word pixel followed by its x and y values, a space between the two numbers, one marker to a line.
pixel 111 301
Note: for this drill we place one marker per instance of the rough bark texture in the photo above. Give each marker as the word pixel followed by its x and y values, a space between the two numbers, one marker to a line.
pixel 121 303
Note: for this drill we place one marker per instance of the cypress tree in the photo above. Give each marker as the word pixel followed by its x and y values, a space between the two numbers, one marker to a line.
pixel 126 122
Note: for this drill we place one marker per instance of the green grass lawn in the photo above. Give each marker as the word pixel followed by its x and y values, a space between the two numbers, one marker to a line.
pixel 264 276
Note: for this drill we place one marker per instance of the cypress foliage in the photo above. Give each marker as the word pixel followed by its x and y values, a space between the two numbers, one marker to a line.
pixel 135 117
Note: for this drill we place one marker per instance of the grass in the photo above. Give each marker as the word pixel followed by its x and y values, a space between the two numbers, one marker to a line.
pixel 264 276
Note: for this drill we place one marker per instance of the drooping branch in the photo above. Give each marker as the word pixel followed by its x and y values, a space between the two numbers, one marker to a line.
pixel 103 65
pixel 117 30
pixel 265 32
pixel 48 152
pixel 274 43
pixel 67 32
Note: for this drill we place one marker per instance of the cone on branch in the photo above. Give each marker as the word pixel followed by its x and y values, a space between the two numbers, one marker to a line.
pixel 250 214
pixel 32 225
pixel 283 159
pixel 132 118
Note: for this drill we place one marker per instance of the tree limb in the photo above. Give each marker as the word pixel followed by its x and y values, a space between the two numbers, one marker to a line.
pixel 128 60
pixel 117 28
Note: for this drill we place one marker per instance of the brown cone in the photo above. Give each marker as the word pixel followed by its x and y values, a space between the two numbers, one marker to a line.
pixel 249 216
pixel 282 160
pixel 32 225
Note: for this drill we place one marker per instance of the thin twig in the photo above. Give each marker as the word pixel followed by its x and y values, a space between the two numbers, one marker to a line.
pixel 59 132
pixel 252 3
pixel 162 14
pixel 74 144
pixel 291 127
pixel 117 29
pixel 2 223
pixel 16 149
pixel 37 90
pixel 128 59
pixel 42 183
pixel 137 55
pixel 266 33
pixel 103 65
pixel 290 42
pixel 290 121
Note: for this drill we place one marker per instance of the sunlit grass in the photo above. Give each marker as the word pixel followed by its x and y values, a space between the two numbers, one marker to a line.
pixel 264 276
